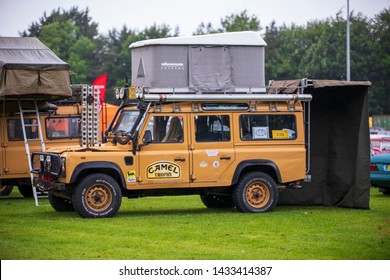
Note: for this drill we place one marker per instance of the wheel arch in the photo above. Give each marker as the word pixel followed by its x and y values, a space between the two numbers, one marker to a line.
pixel 109 168
pixel 267 166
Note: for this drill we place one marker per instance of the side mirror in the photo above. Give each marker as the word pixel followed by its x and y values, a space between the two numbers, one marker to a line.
pixel 147 138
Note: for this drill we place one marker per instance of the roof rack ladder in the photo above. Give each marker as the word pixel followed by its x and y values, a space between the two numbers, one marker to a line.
pixel 27 141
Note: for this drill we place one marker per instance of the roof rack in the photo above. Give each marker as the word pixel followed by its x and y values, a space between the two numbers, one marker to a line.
pixel 268 94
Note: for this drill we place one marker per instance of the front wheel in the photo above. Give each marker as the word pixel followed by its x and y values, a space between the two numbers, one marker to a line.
pixel 256 192
pixel 97 196
pixel 60 204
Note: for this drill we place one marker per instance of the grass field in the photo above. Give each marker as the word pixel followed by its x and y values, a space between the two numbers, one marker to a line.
pixel 181 228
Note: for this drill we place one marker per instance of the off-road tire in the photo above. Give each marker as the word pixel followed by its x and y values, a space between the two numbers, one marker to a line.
pixel 217 201
pixel 26 190
pixel 6 190
pixel 255 192
pixel 97 196
pixel 384 191
pixel 60 204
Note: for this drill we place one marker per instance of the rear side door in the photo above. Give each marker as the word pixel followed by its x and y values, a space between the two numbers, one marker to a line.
pixel 212 149
pixel 16 161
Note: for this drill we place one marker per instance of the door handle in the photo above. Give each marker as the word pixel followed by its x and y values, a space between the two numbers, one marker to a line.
pixel 225 158
pixel 180 159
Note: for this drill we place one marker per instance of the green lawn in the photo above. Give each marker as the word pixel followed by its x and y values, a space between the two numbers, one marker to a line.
pixel 182 228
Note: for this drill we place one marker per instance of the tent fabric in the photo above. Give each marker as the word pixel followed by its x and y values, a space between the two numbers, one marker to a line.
pixel 339 147
pixel 228 62
pixel 30 69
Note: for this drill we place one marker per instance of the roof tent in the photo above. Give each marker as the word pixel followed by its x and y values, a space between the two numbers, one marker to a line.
pixel 30 69
pixel 214 63
pixel 339 146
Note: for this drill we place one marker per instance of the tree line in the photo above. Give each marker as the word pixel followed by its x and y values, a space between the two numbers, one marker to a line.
pixel 316 50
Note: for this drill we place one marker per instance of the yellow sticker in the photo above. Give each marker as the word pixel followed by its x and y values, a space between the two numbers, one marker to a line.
pixel 132 92
pixel 163 170
pixel 279 134
pixel 131 176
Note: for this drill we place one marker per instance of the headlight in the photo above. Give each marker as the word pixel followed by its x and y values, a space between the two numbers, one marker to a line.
pixel 63 164
pixel 121 93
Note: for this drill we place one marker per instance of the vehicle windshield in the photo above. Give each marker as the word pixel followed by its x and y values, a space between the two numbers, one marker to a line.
pixel 125 122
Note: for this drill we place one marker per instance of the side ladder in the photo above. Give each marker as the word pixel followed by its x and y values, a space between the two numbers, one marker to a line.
pixel 27 140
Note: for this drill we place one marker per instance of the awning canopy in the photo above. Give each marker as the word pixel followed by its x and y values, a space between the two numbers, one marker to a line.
pixel 339 145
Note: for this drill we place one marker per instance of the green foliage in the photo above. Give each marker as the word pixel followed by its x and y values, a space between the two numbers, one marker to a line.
pixel 231 23
pixel 59 37
pixel 316 50
pixel 178 228
pixel 240 22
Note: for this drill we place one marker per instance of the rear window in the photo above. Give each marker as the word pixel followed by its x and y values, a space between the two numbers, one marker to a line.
pixel 267 127
pixel 15 130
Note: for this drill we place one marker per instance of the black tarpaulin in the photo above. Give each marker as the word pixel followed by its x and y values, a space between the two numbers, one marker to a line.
pixel 339 147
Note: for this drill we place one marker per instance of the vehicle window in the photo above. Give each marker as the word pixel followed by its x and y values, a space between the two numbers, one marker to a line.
pixel 166 129
pixel 125 122
pixel 15 130
pixel 265 127
pixel 212 128
pixel 63 127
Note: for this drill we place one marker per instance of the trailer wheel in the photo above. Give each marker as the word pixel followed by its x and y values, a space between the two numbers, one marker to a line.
pixel 217 201
pixel 256 192
pixel 60 204
pixel 97 196
pixel 6 190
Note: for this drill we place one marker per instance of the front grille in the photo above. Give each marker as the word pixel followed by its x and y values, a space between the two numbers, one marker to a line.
pixel 46 163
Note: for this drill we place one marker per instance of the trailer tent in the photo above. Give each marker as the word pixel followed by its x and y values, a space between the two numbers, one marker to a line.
pixel 29 69
pixel 339 146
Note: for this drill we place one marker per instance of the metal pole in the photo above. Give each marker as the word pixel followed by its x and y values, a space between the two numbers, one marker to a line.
pixel 348 46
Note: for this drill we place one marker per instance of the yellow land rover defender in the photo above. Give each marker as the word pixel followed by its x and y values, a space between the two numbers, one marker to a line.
pixel 234 147
pixel 60 126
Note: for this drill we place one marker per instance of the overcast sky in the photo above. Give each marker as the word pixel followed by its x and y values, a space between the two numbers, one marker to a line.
pixel 17 15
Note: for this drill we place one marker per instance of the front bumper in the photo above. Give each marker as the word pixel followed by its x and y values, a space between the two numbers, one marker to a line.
pixel 48 186
pixel 46 169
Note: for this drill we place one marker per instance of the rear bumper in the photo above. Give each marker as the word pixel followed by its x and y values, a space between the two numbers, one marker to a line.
pixel 380 180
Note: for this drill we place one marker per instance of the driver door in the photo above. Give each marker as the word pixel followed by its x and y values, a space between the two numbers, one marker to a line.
pixel 164 162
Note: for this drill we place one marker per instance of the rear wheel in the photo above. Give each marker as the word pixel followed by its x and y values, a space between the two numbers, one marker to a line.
pixel 385 191
pixel 97 196
pixel 217 201
pixel 6 190
pixel 255 192
pixel 60 204
pixel 25 190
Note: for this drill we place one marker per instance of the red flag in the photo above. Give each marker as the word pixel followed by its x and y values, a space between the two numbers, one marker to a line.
pixel 101 83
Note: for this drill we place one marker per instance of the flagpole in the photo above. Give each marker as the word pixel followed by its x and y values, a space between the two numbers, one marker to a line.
pixel 348 46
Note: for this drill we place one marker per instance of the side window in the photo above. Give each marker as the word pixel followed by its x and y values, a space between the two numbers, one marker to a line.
pixel 15 129
pixel 265 127
pixel 212 128
pixel 68 127
pixel 166 129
